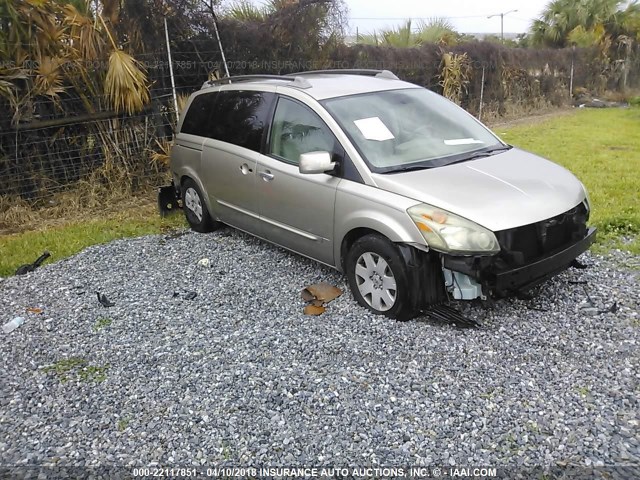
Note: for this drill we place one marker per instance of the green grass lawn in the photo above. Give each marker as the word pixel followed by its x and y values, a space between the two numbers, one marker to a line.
pixel 602 147
pixel 63 241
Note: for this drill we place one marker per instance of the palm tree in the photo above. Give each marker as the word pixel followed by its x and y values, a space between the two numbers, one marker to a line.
pixel 45 47
pixel 439 31
pixel 302 27
pixel 564 22
pixel 435 30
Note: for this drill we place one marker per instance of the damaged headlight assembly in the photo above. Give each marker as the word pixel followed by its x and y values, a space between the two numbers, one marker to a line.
pixel 446 232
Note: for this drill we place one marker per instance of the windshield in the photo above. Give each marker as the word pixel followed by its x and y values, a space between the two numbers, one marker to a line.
pixel 410 128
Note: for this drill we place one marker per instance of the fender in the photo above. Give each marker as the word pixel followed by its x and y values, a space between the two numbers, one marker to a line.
pixel 361 206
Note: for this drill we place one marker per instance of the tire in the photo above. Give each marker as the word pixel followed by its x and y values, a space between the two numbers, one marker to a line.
pixel 195 209
pixel 379 278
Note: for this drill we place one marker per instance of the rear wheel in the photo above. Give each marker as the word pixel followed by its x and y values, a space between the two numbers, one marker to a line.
pixel 195 209
pixel 379 277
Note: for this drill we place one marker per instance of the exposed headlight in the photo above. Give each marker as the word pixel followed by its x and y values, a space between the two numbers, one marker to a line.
pixel 449 233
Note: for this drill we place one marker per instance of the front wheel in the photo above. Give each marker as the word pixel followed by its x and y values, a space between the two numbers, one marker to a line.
pixel 195 209
pixel 379 278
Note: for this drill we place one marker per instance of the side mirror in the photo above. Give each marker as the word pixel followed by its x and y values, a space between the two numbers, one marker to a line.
pixel 315 162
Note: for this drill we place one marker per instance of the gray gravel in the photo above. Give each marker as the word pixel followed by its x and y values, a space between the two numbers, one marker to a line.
pixel 238 375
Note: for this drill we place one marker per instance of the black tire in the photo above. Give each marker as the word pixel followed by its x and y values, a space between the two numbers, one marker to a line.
pixel 378 247
pixel 195 208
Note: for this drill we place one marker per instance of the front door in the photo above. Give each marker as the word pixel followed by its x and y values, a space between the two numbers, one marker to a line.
pixel 297 210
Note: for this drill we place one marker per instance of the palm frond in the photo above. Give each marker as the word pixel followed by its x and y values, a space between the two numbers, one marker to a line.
pixel 245 11
pixel 126 83
pixel 161 155
pixel 49 77
pixel 84 36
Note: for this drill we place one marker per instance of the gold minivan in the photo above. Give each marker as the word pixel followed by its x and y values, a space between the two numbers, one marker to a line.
pixel 401 189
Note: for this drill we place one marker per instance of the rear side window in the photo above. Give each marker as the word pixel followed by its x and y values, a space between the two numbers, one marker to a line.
pixel 198 118
pixel 240 117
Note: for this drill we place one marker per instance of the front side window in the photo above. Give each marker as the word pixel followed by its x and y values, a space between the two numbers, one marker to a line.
pixel 410 128
pixel 240 117
pixel 297 129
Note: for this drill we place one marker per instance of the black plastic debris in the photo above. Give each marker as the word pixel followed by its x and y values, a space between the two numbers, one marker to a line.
pixel 445 313
pixel 30 267
pixel 104 300
pixel 612 309
pixel 579 265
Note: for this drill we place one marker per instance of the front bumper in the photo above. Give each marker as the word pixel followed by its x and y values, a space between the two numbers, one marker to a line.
pixel 499 280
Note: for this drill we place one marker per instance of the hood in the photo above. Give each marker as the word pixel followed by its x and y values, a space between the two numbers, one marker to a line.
pixel 505 190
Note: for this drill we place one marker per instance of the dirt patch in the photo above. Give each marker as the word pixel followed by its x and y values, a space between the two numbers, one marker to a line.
pixel 24 218
pixel 531 119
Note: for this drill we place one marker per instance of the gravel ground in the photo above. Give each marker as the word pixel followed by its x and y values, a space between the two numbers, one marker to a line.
pixel 238 375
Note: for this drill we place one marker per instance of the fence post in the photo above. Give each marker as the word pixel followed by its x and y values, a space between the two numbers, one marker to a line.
pixel 173 80
pixel 481 95
pixel 573 55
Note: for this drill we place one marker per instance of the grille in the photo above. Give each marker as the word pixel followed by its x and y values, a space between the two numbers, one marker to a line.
pixel 528 243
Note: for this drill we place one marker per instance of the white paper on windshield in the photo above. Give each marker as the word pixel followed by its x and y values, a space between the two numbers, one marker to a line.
pixel 374 129
pixel 462 141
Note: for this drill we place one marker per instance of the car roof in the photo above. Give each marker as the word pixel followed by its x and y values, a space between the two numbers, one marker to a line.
pixel 324 85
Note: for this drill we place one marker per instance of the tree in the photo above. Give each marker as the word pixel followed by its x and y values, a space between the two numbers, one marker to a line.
pixel 299 28
pixel 567 22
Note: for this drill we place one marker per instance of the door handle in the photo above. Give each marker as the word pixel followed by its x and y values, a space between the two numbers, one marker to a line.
pixel 267 176
pixel 244 168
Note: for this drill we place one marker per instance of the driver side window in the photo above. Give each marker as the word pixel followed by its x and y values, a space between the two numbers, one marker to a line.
pixel 297 129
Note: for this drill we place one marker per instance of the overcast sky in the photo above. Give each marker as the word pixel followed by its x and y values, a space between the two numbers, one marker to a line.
pixel 468 16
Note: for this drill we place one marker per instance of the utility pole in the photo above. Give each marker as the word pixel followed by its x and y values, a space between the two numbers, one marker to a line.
pixel 502 22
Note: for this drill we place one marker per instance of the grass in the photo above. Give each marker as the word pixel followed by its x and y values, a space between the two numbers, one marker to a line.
pixel 79 367
pixel 102 323
pixel 122 424
pixel 602 148
pixel 68 239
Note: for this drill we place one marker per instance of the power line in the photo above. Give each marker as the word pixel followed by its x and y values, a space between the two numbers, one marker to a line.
pixel 417 18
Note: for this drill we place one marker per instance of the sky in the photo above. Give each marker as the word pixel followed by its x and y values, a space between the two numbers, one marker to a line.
pixel 467 16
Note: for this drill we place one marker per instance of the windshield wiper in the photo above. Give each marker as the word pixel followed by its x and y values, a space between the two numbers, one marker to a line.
pixel 411 168
pixel 487 152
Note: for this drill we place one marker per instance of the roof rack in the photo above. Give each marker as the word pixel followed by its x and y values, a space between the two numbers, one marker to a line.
pixel 296 80
pixel 352 71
